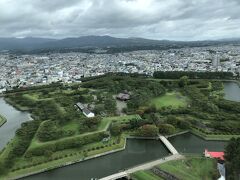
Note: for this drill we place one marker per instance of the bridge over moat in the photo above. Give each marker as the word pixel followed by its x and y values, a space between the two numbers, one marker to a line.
pixel 145 166
pixel 175 156
pixel 169 146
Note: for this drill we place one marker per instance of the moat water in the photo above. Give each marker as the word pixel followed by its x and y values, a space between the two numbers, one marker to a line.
pixel 136 152
pixel 14 120
pixel 232 91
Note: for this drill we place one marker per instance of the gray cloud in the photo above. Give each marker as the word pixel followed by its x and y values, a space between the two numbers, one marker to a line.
pixel 156 19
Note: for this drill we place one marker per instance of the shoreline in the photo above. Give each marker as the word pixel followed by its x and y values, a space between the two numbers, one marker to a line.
pixel 237 81
pixel 17 107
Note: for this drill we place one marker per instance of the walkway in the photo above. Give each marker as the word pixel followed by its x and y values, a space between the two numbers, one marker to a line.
pixel 143 167
pixel 168 144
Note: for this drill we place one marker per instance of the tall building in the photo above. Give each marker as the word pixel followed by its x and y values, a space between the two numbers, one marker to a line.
pixel 215 61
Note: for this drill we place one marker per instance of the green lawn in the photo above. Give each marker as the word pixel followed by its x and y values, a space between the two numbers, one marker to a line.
pixel 145 175
pixel 2 120
pixel 72 125
pixel 196 168
pixel 174 99
pixel 32 97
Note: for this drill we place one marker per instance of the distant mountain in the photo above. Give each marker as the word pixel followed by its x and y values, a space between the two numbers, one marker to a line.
pixel 31 43
pixel 230 40
pixel 84 41
pixel 23 43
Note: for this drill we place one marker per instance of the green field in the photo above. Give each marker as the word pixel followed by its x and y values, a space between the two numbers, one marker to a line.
pixel 145 175
pixel 196 168
pixel 2 120
pixel 191 168
pixel 173 99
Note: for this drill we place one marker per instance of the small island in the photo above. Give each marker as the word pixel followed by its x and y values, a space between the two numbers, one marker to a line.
pixel 80 121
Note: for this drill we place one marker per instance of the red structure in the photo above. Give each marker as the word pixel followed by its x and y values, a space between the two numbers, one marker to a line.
pixel 217 155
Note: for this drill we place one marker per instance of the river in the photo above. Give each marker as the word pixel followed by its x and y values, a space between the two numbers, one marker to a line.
pixel 14 120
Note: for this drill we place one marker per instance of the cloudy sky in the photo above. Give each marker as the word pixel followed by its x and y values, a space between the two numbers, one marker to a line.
pixel 155 19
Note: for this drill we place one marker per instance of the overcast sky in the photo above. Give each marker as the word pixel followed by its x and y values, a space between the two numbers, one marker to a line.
pixel 155 19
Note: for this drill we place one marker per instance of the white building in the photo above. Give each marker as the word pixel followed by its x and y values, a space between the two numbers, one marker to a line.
pixel 88 113
pixel 85 110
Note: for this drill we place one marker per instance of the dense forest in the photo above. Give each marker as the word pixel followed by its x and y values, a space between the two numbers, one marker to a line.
pixel 192 75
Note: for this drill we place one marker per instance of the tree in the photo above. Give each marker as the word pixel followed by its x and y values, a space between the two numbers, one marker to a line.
pixel 92 122
pixel 166 129
pixel 171 119
pixel 2 169
pixel 99 108
pixel 49 130
pixel 183 81
pixel 232 157
pixel 183 124
pixel 147 130
pixel 116 129
pixel 110 105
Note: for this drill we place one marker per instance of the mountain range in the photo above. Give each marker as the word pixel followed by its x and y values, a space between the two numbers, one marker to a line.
pixel 32 43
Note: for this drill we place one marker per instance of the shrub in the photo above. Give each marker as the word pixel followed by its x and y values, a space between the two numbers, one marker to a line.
pixel 147 130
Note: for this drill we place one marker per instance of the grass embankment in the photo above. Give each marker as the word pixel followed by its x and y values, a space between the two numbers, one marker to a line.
pixel 145 175
pixel 24 166
pixel 71 156
pixel 173 99
pixel 191 168
pixel 103 126
pixel 196 168
pixel 3 120
pixel 213 137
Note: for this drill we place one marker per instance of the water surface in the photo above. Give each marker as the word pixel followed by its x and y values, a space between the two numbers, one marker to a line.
pixel 189 143
pixel 136 152
pixel 14 120
pixel 232 91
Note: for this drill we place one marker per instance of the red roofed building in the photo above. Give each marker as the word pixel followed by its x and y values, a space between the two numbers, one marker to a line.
pixel 217 155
